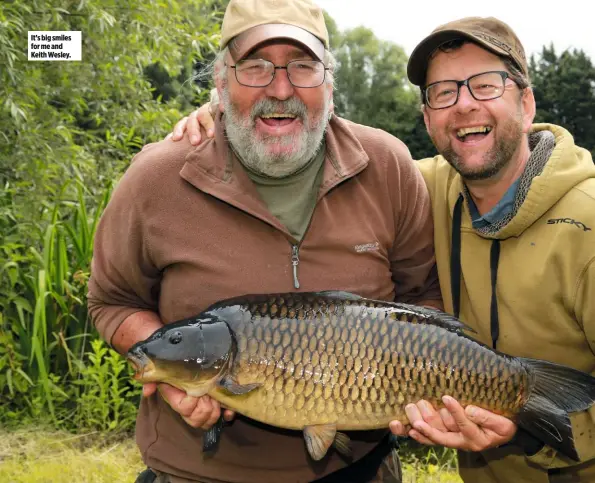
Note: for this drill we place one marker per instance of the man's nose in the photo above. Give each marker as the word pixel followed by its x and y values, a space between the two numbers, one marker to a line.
pixel 280 88
pixel 466 100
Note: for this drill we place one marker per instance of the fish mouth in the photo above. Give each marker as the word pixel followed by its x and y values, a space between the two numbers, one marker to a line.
pixel 143 366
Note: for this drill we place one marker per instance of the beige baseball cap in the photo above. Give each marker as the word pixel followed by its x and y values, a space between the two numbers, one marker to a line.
pixel 489 32
pixel 249 23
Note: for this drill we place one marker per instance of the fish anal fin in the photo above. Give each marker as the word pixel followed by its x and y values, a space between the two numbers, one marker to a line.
pixel 319 438
pixel 234 387
pixel 342 443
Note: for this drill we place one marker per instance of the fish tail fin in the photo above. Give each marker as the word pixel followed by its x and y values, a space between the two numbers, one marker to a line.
pixel 555 391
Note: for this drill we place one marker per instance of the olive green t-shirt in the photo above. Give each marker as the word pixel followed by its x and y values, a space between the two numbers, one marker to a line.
pixel 292 199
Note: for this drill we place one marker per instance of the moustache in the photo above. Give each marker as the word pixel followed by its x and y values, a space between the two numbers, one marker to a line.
pixel 292 106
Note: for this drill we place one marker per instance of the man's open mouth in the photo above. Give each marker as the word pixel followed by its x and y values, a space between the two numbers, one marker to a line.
pixel 278 119
pixel 475 133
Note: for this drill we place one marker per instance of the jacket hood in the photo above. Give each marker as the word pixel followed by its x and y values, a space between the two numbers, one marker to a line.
pixel 568 166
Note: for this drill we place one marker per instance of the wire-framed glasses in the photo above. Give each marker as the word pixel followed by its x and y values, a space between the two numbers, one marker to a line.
pixel 483 87
pixel 260 72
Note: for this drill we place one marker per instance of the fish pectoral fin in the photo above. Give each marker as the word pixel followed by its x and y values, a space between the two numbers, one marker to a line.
pixel 235 388
pixel 342 443
pixel 211 437
pixel 319 439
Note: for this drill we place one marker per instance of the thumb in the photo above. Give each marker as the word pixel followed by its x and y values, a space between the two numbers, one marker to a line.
pixel 149 388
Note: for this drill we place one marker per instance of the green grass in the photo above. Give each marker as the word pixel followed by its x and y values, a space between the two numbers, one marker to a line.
pixel 40 456
pixel 34 456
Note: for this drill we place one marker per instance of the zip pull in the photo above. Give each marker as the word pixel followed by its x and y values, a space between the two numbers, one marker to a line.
pixel 295 261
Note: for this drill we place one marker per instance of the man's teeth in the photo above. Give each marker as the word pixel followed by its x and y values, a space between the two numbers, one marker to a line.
pixel 275 115
pixel 473 130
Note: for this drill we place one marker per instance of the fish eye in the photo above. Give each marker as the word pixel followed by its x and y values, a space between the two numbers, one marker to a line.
pixel 175 338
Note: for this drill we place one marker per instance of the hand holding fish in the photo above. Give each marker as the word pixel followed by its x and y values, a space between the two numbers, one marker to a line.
pixel 470 428
pixel 198 412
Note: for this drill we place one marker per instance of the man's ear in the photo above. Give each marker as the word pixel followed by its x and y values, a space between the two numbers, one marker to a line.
pixel 219 86
pixel 424 111
pixel 331 105
pixel 529 108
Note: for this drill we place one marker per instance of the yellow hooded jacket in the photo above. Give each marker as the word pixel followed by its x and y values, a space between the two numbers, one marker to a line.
pixel 544 291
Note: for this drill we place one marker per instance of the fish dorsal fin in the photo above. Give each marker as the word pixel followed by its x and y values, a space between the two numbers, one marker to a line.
pixel 338 294
pixel 424 315
pixel 431 316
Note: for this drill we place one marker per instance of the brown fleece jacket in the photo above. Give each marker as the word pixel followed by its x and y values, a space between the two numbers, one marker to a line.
pixel 185 228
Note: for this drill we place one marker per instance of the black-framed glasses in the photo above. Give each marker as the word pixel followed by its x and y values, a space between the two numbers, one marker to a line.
pixel 260 72
pixel 483 87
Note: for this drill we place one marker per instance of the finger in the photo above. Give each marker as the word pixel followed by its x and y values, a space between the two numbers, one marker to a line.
pixel 449 421
pixel 205 118
pixel 178 400
pixel 200 414
pixel 213 415
pixel 169 136
pixel 193 129
pixel 179 129
pixel 466 426
pixel 228 415
pixel 413 414
pixel 420 438
pixel 149 388
pixel 397 428
pixel 493 422
pixel 431 416
pixel 448 439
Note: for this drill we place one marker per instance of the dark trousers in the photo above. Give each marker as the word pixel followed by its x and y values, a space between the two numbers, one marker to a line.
pixel 372 468
pixel 366 469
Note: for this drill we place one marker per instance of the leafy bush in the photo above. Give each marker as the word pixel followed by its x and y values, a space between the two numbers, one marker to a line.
pixel 67 132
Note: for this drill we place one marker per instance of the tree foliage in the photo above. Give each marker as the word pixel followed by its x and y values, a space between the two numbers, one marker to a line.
pixel 564 87
pixel 67 132
pixel 372 88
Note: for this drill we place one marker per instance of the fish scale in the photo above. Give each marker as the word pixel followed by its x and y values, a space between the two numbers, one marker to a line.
pixel 333 373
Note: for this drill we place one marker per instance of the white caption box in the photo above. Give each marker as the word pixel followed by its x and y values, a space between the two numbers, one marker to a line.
pixel 54 45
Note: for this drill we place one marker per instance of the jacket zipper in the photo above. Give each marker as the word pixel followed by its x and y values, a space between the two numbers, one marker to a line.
pixel 295 258
pixel 295 261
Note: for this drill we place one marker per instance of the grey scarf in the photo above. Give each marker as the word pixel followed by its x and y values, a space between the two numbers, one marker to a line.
pixel 541 144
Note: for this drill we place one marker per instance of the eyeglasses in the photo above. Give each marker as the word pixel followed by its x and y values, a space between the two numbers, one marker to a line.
pixel 260 72
pixel 483 87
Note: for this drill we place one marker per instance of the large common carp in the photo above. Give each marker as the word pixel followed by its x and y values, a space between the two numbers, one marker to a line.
pixel 328 361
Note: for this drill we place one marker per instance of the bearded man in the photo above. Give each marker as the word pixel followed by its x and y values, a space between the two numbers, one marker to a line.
pixel 514 209
pixel 286 197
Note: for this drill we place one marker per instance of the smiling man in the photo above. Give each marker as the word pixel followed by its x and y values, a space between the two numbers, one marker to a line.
pixel 514 210
pixel 525 283
pixel 287 197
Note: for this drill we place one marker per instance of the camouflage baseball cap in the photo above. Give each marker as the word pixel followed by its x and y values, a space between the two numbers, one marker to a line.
pixel 489 32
